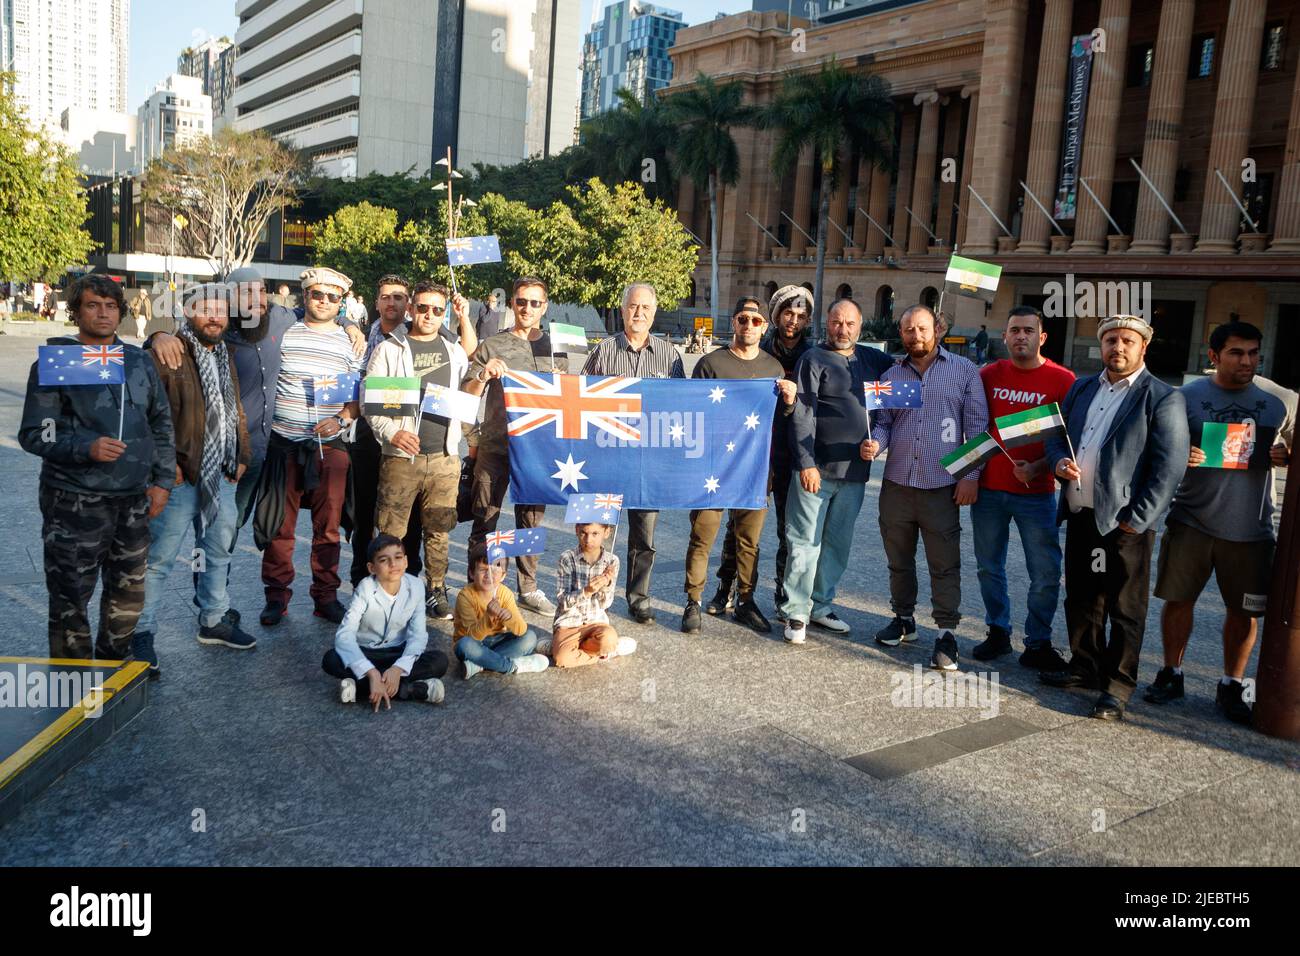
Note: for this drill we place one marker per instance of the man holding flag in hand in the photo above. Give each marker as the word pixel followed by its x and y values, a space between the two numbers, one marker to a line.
pixel 1018 486
pixel 102 426
pixel 926 481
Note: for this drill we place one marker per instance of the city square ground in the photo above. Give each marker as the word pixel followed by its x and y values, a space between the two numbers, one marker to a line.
pixel 727 747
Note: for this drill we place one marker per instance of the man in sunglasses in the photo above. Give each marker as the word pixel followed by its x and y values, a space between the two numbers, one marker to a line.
pixel 305 461
pixel 636 353
pixel 742 359
pixel 421 453
pixel 527 348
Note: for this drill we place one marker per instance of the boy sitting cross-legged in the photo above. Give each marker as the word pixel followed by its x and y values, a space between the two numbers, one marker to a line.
pixel 382 640
pixel 587 575
pixel 488 630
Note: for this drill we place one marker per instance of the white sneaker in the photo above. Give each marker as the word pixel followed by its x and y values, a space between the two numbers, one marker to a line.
pixel 544 647
pixel 434 692
pixel 531 663
pixel 829 622
pixel 347 691
pixel 795 633
pixel 470 669
pixel 536 601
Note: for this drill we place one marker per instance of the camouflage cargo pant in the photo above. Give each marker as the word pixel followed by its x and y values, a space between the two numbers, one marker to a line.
pixel 435 479
pixel 86 536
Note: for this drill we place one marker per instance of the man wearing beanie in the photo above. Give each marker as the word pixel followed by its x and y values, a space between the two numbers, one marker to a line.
pixel 789 312
pixel 1126 454
pixel 743 359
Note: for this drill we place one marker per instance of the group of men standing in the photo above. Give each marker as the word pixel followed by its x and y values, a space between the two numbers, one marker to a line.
pixel 225 420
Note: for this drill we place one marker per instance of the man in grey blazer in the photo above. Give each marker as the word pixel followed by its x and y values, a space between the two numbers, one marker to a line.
pixel 1129 441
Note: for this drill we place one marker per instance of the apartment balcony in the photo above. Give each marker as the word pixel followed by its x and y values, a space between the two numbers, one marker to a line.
pixel 295 36
pixel 274 19
pixel 328 132
pixel 332 94
pixel 299 73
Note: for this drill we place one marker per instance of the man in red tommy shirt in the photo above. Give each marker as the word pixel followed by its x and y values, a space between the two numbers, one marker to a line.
pixel 1025 493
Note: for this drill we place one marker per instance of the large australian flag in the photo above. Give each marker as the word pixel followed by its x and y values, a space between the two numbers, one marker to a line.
pixel 660 443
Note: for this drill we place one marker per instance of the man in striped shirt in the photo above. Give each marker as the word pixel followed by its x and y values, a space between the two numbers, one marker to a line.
pixel 306 450
pixel 636 353
pixel 917 493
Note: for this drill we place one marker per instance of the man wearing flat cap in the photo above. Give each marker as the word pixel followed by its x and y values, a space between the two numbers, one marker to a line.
pixel 306 463
pixel 1126 454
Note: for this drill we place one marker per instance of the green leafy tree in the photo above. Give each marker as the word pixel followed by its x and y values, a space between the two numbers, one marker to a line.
pixel 42 203
pixel 704 116
pixel 630 143
pixel 840 114
pixel 364 242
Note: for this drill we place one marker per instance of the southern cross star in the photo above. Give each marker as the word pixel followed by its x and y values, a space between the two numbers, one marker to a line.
pixel 677 431
pixel 570 473
pixel 751 421
pixel 711 485
pixel 716 395
pixel 731 446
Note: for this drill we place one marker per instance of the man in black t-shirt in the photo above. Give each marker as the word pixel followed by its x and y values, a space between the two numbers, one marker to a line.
pixel 743 359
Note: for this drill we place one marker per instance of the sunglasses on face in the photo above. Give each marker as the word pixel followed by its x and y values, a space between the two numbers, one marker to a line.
pixel 529 303
pixel 424 307
pixel 748 320
pixel 320 296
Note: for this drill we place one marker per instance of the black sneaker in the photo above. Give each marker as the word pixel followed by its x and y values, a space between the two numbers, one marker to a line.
pixel 897 630
pixel 230 617
pixel 1043 657
pixel 996 644
pixel 334 611
pixel 642 613
pixel 1227 700
pixel 273 613
pixel 723 601
pixel 1166 687
pixel 944 657
pixel 748 614
pixel 691 620
pixel 142 650
pixel 437 606
pixel 228 635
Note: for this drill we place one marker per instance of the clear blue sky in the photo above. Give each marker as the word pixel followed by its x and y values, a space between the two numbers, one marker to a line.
pixel 160 29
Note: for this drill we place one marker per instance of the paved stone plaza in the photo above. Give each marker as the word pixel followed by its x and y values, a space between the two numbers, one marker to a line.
pixel 720 748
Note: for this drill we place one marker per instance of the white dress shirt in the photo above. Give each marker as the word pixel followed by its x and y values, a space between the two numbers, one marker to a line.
pixel 1102 411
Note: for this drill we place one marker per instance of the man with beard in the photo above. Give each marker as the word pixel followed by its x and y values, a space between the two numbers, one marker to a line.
pixel 790 309
pixel 829 483
pixel 917 494
pixel 212 453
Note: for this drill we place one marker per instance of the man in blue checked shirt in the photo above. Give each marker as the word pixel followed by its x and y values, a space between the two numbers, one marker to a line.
pixel 917 494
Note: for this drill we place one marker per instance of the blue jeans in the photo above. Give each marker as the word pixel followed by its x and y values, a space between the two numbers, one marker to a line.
pixel 820 531
pixel 1035 518
pixel 497 652
pixel 168 532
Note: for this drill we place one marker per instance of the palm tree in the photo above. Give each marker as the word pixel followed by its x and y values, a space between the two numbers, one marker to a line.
pixel 840 115
pixel 616 144
pixel 704 116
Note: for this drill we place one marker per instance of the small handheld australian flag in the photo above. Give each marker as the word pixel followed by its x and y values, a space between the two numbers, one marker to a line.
pixel 598 508
pixel 64 365
pixel 892 395
pixel 518 541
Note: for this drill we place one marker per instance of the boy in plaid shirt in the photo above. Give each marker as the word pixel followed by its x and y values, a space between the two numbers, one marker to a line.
pixel 586 576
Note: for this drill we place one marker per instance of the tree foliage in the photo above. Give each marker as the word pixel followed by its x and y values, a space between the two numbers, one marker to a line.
pixel 630 143
pixel 42 203
pixel 228 187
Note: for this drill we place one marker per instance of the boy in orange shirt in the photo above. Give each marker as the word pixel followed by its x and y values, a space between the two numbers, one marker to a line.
pixel 489 633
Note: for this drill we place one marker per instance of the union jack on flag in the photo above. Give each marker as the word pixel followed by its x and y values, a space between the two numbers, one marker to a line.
pixel 878 388
pixel 574 403
pixel 102 355
pixel 500 537
pixel 609 501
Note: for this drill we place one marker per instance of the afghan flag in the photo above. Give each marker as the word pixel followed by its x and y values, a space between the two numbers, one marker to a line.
pixel 566 337
pixel 1227 445
pixel 392 397
pixel 1030 426
pixel 973 278
pixel 973 454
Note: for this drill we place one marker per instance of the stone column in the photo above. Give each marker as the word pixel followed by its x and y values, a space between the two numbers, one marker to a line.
pixel 927 151
pixel 1098 166
pixel 967 162
pixel 1164 125
pixel 1004 40
pixel 860 225
pixel 878 206
pixel 838 214
pixel 686 202
pixel 802 211
pixel 1234 109
pixel 948 189
pixel 898 229
pixel 1286 230
pixel 1045 128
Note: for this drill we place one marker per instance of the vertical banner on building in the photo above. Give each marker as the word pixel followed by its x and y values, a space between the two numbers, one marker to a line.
pixel 1076 113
